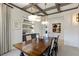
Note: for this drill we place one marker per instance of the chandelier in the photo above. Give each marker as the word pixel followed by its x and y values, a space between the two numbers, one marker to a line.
pixel 44 18
pixel 34 17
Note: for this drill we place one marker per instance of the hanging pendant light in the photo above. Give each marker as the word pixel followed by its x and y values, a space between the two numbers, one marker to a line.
pixel 34 17
pixel 45 18
pixel 44 22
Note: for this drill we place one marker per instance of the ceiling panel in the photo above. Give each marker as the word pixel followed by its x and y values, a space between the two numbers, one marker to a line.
pixel 40 14
pixel 33 9
pixel 21 5
pixel 42 5
pixel 69 6
pixel 52 11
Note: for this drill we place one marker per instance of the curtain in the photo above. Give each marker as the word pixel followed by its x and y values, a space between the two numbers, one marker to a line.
pixel 5 40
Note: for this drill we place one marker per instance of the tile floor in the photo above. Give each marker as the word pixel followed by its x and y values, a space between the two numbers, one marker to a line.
pixel 14 52
pixel 69 51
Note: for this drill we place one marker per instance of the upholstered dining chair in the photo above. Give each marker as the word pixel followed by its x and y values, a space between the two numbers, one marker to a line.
pixel 50 49
pixel 28 37
pixel 55 47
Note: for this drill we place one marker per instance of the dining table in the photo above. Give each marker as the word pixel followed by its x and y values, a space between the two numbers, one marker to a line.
pixel 34 47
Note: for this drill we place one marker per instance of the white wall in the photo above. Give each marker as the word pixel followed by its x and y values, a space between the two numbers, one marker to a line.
pixel 37 27
pixel 70 30
pixel 17 17
pixel 52 20
pixel 56 20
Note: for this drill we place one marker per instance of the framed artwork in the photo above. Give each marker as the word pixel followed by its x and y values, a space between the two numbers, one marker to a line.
pixel 56 27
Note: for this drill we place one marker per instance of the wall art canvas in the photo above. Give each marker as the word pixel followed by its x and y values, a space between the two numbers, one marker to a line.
pixel 56 27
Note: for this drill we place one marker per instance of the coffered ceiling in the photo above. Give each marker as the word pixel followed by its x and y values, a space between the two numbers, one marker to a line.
pixel 42 9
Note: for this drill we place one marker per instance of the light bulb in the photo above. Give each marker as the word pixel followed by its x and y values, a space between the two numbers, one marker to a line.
pixel 45 22
pixel 34 18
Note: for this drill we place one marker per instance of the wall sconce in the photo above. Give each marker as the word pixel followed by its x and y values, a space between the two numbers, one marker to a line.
pixel 77 18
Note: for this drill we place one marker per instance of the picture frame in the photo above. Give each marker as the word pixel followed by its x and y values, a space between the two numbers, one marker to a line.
pixel 56 27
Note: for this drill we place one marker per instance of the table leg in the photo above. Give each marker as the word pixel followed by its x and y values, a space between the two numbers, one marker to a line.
pixel 21 54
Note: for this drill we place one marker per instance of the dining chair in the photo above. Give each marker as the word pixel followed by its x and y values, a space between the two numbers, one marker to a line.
pixel 55 47
pixel 49 50
pixel 28 37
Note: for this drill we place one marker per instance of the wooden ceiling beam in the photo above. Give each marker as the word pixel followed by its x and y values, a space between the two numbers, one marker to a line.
pixel 8 5
pixel 54 7
pixel 60 11
pixel 58 6
pixel 20 8
pixel 64 10
pixel 40 9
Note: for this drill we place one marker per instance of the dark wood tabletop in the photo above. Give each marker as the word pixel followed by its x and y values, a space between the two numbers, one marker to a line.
pixel 34 48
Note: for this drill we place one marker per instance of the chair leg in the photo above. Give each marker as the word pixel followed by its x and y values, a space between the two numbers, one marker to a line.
pixel 22 54
pixel 56 51
pixel 52 53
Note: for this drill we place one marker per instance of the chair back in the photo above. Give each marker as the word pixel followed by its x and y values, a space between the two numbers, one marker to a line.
pixel 52 43
pixel 54 46
pixel 51 47
pixel 28 37
pixel 56 40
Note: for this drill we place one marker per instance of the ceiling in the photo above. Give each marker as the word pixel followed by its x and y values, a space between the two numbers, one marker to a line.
pixel 21 4
pixel 45 8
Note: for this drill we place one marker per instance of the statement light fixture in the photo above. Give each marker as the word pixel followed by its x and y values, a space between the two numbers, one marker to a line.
pixel 45 18
pixel 34 17
pixel 44 22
